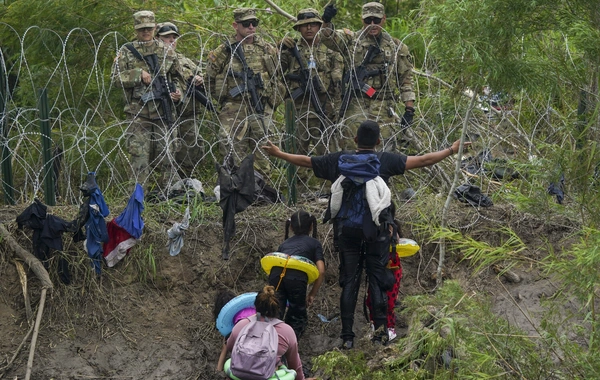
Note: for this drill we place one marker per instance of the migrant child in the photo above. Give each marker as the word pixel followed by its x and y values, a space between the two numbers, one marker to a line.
pixel 267 307
pixel 395 266
pixel 291 287
pixel 221 299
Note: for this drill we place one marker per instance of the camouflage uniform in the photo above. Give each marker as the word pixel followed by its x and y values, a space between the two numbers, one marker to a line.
pixel 393 81
pixel 191 115
pixel 148 137
pixel 242 130
pixel 328 68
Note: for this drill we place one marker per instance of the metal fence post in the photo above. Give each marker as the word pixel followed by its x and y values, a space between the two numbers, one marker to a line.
pixel 49 194
pixel 290 125
pixel 7 174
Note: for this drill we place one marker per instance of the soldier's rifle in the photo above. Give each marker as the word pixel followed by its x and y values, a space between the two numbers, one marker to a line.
pixel 161 88
pixel 250 81
pixel 354 80
pixel 197 92
pixel 309 84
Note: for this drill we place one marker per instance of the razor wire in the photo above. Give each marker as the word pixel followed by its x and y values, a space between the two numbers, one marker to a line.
pixel 88 123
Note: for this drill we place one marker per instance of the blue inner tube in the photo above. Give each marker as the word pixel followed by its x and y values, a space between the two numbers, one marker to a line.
pixel 225 318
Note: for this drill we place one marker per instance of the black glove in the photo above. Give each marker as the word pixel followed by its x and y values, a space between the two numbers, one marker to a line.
pixel 287 43
pixel 407 118
pixel 329 13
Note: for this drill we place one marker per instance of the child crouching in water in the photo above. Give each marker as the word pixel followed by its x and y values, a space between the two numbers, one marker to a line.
pixel 291 288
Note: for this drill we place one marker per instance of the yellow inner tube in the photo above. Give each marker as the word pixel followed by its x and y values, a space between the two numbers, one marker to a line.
pixel 406 247
pixel 278 259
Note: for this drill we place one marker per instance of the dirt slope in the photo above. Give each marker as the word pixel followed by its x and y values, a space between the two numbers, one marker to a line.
pixel 133 324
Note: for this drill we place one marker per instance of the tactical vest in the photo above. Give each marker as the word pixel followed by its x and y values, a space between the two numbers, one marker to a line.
pixel 385 62
pixel 188 69
pixel 329 71
pixel 167 59
pixel 259 57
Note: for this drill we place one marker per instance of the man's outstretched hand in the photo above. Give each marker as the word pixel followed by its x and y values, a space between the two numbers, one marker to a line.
pixel 271 149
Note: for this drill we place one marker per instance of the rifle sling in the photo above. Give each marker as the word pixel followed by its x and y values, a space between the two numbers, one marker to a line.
pixel 308 83
pixel 151 60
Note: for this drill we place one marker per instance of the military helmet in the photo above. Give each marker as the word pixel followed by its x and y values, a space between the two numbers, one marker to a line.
pixel 308 16
pixel 166 28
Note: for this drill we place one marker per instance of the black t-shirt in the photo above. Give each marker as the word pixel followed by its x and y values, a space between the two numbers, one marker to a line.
pixel 326 167
pixel 299 245
pixel 303 245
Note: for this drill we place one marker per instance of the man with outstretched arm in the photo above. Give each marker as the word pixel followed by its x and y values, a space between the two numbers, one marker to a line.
pixel 352 242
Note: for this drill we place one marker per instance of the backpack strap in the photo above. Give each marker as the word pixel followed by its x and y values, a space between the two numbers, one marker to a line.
pixel 271 321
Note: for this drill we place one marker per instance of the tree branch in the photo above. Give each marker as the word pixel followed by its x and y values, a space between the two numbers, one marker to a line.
pixel 33 263
pixel 280 11
pixel 457 172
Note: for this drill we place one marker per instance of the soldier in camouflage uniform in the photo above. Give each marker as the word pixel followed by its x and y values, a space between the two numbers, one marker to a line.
pixel 191 112
pixel 390 74
pixel 148 136
pixel 327 66
pixel 242 127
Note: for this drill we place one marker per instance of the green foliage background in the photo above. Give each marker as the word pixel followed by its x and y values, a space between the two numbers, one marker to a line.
pixel 544 53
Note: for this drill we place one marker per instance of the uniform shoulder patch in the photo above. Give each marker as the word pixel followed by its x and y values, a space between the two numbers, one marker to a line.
pixel 348 31
pixel 212 56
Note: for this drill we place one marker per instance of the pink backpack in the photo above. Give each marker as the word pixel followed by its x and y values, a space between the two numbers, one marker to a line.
pixel 254 355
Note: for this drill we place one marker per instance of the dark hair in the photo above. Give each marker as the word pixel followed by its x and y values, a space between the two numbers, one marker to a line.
pixel 367 134
pixel 221 299
pixel 300 221
pixel 266 302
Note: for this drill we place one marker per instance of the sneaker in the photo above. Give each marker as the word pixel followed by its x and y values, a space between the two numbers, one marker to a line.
pixel 348 344
pixel 391 334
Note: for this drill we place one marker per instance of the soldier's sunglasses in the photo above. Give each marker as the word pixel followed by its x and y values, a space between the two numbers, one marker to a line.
pixel 246 24
pixel 305 16
pixel 168 28
pixel 374 20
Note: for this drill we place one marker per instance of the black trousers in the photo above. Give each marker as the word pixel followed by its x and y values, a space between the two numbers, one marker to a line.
pixel 354 253
pixel 291 292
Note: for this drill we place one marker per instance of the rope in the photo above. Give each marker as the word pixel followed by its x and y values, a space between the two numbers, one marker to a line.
pixel 282 273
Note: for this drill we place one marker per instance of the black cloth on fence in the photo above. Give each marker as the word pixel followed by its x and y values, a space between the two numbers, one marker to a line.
pixel 237 192
pixel 87 188
pixel 265 194
pixel 47 234
pixel 472 195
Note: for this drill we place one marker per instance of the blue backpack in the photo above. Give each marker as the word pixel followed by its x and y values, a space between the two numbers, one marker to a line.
pixel 354 211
